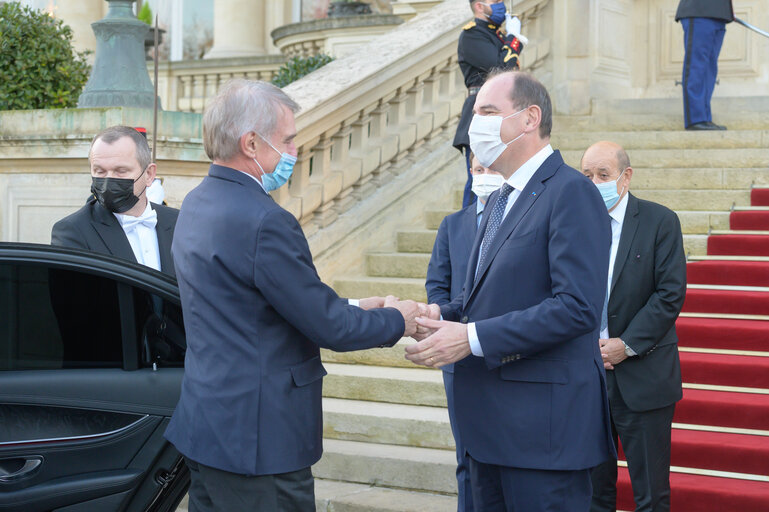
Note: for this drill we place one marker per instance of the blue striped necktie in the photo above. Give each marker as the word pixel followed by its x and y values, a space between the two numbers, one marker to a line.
pixel 493 225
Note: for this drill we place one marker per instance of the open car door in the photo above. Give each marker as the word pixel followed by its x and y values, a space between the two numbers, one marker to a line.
pixel 91 363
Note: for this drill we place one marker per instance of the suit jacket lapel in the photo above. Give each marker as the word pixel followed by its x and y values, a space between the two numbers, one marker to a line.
pixel 629 228
pixel 469 226
pixel 523 203
pixel 165 231
pixel 111 233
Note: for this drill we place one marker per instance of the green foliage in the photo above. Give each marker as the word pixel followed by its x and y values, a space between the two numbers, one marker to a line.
pixel 296 67
pixel 145 13
pixel 38 66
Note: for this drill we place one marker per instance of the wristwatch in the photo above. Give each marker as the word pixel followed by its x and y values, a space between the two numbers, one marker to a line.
pixel 628 351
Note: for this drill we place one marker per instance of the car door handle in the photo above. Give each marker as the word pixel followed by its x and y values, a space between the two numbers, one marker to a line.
pixel 28 468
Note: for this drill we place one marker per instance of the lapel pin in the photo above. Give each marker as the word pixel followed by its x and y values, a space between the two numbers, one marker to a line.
pixel 534 193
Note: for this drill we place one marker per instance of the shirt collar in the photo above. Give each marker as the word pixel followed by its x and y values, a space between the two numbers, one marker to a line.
pixel 122 218
pixel 253 178
pixel 618 213
pixel 479 207
pixel 521 177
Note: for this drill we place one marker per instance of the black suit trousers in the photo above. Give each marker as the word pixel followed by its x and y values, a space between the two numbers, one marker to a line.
pixel 645 437
pixel 214 490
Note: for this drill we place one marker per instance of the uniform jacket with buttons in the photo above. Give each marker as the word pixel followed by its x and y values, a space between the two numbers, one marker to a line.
pixel 716 9
pixel 537 399
pixel 647 292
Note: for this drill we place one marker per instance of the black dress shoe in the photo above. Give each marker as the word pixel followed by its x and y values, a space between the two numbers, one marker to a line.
pixel 704 125
pixel 717 126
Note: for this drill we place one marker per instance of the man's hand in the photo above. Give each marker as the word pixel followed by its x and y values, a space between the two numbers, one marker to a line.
pixel 513 28
pixel 431 311
pixel 371 303
pixel 447 344
pixel 408 308
pixel 612 352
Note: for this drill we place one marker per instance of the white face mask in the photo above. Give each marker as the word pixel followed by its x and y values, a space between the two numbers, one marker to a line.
pixel 485 137
pixel 485 184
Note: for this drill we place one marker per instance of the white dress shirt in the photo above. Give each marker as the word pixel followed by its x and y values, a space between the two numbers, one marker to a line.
pixel 518 181
pixel 617 219
pixel 142 235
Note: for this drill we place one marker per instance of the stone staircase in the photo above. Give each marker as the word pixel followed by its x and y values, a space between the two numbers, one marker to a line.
pixel 388 444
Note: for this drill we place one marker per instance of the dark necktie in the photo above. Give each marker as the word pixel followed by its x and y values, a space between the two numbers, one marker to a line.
pixel 493 225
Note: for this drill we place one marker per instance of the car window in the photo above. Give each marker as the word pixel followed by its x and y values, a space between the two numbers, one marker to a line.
pixel 57 318
pixel 161 330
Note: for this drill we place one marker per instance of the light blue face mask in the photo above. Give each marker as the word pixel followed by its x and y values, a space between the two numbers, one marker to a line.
pixel 609 192
pixel 277 178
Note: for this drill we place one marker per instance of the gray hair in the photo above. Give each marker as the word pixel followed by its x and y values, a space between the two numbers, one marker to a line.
pixel 528 91
pixel 241 106
pixel 115 133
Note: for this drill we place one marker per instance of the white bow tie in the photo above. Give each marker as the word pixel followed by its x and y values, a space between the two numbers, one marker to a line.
pixel 148 218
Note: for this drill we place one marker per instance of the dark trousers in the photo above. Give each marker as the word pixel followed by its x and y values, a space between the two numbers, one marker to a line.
pixel 645 438
pixel 702 39
pixel 468 197
pixel 506 489
pixel 214 490
pixel 464 492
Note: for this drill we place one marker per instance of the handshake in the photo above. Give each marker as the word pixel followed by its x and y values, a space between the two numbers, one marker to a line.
pixel 438 342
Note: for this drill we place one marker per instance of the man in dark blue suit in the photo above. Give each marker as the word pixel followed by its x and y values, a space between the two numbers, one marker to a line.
pixel 529 383
pixel 249 419
pixel 445 277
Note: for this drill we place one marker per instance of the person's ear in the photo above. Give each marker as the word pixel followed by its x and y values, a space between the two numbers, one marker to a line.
pixel 533 118
pixel 152 171
pixel 249 144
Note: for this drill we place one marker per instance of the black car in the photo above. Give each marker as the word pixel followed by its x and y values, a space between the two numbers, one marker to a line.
pixel 91 364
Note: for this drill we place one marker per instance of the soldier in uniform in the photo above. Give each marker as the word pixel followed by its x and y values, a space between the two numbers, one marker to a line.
pixel 492 40
pixel 704 23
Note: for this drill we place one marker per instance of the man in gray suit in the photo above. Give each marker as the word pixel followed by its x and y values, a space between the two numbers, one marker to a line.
pixel 646 286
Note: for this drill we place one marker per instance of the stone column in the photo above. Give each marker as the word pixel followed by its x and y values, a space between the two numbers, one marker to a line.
pixel 239 28
pixel 79 16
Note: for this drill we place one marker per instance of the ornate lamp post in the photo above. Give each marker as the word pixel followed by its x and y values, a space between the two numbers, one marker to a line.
pixel 119 77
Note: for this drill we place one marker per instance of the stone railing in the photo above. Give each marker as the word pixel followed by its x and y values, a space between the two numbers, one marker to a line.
pixel 332 36
pixel 363 114
pixel 186 86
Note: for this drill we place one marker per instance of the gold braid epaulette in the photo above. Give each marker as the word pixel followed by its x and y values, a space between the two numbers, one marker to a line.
pixel 469 25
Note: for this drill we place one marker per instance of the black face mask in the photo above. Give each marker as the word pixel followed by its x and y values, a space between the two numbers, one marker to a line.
pixel 116 194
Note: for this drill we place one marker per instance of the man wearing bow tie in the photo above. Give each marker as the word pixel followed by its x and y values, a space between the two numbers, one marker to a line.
pixel 119 220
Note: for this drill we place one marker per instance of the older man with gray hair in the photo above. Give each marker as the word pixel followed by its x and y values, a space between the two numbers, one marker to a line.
pixel 249 419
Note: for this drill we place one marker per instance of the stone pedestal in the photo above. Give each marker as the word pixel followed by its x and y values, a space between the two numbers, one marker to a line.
pixel 119 76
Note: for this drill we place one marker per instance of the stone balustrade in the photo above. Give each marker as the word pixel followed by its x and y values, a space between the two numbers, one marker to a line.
pixel 186 86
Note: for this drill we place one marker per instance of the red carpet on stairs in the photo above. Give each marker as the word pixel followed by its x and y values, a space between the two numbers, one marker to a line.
pixel 723 333
pixel 759 197
pixel 738 245
pixel 726 301
pixel 733 273
pixel 750 220
pixel 697 493
pixel 725 370
pixel 719 451
pixel 723 409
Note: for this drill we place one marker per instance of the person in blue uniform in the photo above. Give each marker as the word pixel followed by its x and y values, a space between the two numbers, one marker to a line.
pixel 492 40
pixel 704 23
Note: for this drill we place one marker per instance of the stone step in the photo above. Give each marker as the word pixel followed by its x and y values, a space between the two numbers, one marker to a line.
pixel 421 240
pixel 388 356
pixel 687 158
pixel 730 178
pixel 406 386
pixel 386 423
pixel 402 287
pixel 398 264
pixel 334 496
pixel 663 139
pixel 649 122
pixel 433 218
pixel 695 244
pixel 404 467
pixel 696 200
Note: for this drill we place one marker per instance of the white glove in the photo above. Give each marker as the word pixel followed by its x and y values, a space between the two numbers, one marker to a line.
pixel 513 27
